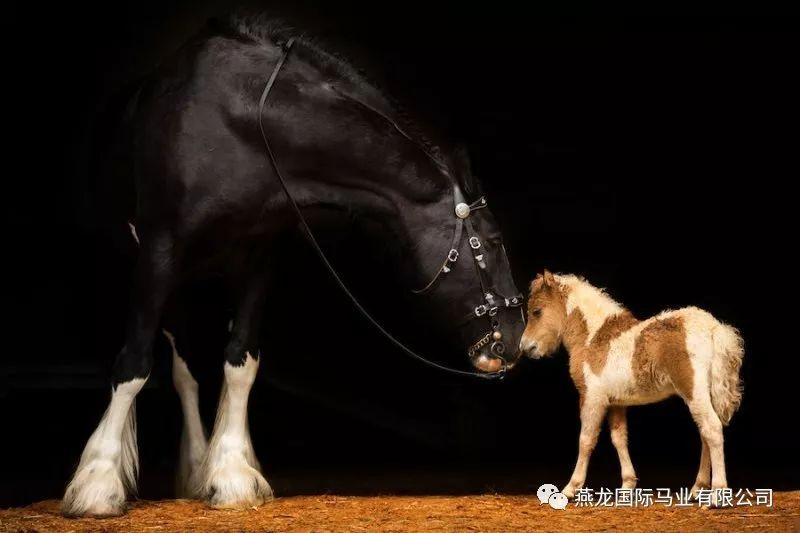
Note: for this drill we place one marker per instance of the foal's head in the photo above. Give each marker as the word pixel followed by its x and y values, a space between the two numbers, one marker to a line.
pixel 547 317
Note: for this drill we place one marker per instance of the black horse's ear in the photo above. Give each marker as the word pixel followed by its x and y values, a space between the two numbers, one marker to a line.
pixel 461 155
pixel 461 161
pixel 463 168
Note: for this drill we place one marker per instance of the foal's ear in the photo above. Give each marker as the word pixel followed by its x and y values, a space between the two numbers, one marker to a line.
pixel 545 280
pixel 548 278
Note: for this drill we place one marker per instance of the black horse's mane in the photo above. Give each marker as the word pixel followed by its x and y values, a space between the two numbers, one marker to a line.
pixel 263 27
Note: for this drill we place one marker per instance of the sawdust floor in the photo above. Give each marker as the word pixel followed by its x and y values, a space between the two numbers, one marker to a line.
pixel 410 513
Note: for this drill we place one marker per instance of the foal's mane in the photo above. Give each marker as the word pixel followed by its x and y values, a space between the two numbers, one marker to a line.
pixel 265 28
pixel 578 283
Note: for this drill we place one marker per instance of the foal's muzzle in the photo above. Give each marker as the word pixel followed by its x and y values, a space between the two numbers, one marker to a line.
pixel 530 349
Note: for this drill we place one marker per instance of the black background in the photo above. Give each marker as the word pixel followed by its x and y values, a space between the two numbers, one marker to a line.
pixel 656 156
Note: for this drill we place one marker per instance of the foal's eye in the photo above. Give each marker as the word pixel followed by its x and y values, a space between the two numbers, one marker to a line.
pixel 536 312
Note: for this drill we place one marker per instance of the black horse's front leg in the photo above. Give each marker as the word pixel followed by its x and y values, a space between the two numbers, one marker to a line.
pixel 109 464
pixel 230 476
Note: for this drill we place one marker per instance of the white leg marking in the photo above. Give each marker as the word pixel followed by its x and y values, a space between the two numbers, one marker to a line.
pixel 618 424
pixel 193 435
pixel 703 480
pixel 710 427
pixel 110 460
pixel 230 475
pixel 592 414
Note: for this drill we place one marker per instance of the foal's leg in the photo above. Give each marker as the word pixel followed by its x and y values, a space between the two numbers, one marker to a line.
pixel 703 480
pixel 710 430
pixel 193 435
pixel 109 463
pixel 618 423
pixel 230 476
pixel 593 411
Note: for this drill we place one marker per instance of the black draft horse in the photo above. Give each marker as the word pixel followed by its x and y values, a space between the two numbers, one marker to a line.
pixel 207 199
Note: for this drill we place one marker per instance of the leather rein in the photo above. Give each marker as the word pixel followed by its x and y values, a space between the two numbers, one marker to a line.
pixel 492 301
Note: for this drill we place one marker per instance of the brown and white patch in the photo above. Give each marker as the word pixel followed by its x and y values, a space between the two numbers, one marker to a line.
pixel 660 353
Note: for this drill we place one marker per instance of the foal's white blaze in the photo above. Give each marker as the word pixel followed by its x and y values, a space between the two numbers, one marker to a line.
pixel 193 435
pixel 230 475
pixel 110 460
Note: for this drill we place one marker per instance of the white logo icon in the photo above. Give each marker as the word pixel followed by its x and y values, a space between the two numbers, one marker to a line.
pixel 558 501
pixel 549 493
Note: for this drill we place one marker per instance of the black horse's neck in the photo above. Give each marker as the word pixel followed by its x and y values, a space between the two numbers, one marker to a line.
pixel 414 226
pixel 379 170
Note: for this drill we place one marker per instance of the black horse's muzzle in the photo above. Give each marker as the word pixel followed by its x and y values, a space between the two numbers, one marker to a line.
pixel 490 353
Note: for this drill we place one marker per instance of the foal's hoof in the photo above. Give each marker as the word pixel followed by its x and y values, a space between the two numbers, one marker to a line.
pixel 569 492
pixel 696 488
pixel 716 498
pixel 238 487
pixel 96 490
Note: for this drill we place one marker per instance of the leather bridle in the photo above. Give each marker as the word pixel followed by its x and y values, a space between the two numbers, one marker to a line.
pixel 492 301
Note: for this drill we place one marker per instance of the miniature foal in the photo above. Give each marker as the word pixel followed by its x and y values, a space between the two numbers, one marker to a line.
pixel 616 360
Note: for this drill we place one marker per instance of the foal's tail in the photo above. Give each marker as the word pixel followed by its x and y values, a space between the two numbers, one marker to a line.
pixel 726 387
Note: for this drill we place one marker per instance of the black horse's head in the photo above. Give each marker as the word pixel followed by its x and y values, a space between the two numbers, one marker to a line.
pixel 494 321
pixel 449 245
pixel 473 287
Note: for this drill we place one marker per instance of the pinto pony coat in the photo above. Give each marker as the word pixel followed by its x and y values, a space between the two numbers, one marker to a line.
pixel 616 360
